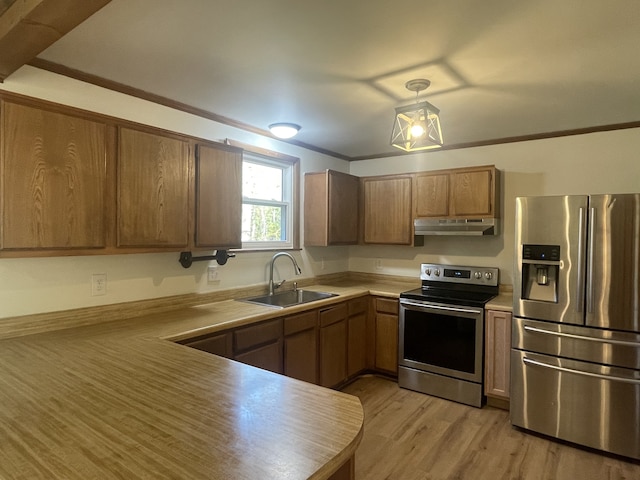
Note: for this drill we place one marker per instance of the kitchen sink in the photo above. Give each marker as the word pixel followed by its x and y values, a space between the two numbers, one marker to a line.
pixel 288 298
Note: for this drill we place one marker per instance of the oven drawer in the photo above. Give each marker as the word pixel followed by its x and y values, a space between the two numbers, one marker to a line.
pixel 621 349
pixel 605 415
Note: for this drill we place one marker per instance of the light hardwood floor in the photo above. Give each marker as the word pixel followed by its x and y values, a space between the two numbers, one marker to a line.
pixel 411 436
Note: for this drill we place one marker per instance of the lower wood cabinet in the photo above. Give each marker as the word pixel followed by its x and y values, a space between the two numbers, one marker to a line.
pixel 357 336
pixel 386 335
pixel 220 344
pixel 333 345
pixel 301 346
pixel 260 345
pixel 497 354
pixel 323 346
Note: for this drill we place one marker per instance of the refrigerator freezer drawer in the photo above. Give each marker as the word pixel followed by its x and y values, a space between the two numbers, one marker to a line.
pixel 588 404
pixel 620 349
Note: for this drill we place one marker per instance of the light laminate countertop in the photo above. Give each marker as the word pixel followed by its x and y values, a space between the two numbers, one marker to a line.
pixel 118 400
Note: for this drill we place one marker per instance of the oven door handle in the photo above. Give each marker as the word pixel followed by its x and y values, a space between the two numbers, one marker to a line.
pixel 438 307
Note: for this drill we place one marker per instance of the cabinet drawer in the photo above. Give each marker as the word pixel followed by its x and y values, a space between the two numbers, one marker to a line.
pixel 358 305
pixel 217 344
pixel 387 305
pixel 301 322
pixel 262 333
pixel 333 314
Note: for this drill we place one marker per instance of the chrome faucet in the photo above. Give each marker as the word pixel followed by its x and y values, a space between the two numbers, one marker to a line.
pixel 273 286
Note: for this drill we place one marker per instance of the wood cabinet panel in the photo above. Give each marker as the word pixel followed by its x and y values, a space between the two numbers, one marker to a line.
pixel 268 357
pixel 301 346
pixel 153 190
pixel 387 210
pixel 301 355
pixel 333 345
pixel 357 344
pixel 472 193
pixel 218 197
pixel 260 333
pixel 53 172
pixel 386 335
pixel 431 195
pixel 330 208
pixel 497 354
pixel 217 344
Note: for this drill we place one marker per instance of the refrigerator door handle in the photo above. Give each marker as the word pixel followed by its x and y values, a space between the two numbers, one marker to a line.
pixel 581 264
pixel 592 258
pixel 528 361
pixel 574 336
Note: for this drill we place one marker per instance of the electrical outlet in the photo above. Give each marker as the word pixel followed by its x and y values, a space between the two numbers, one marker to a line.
pixel 378 264
pixel 98 284
pixel 212 274
pixel 322 265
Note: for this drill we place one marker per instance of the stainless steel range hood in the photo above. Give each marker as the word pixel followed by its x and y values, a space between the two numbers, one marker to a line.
pixel 459 226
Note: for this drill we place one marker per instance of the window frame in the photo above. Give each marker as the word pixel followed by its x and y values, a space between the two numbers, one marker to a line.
pixel 277 159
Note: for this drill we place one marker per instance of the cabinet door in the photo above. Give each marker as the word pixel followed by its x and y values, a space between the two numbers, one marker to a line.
pixel 357 336
pixel 54 169
pixel 472 193
pixel 331 208
pixel 431 195
pixel 153 190
pixel 333 345
pixel 386 324
pixel 497 353
pixel 301 346
pixel 387 210
pixel 218 197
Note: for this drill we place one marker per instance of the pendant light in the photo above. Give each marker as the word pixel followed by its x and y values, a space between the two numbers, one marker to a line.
pixel 417 126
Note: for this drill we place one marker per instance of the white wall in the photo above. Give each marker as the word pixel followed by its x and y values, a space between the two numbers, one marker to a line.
pixel 606 162
pixel 595 163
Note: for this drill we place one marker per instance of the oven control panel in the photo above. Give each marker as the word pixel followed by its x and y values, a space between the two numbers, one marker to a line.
pixel 459 274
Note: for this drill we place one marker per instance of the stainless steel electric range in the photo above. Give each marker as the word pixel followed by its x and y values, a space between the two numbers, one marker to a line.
pixel 441 337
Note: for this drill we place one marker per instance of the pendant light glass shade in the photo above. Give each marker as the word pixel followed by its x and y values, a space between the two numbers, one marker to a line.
pixel 417 126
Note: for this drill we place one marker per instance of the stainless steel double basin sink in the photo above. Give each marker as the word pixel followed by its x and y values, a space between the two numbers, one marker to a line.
pixel 288 298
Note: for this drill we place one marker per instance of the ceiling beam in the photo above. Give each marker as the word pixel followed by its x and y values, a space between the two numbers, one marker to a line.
pixel 28 27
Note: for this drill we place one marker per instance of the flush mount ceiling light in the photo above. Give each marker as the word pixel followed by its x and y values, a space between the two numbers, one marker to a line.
pixel 417 126
pixel 284 130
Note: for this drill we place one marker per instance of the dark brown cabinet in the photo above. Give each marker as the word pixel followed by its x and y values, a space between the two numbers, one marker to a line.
pixel 54 180
pixel 357 336
pixel 330 208
pixel 301 346
pixel 260 345
pixel 219 344
pixel 333 345
pixel 386 335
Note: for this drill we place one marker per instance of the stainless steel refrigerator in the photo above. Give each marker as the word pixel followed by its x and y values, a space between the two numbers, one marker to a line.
pixel 575 357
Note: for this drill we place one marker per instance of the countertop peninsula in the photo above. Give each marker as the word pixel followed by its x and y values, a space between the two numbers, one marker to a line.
pixel 121 399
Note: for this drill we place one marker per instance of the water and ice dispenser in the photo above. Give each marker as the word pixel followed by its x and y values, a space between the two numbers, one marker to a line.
pixel 540 269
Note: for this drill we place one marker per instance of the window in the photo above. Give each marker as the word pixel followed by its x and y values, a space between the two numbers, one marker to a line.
pixel 269 199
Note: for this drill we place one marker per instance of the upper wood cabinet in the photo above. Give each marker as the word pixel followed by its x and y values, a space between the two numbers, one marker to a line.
pixel 387 216
pixel 218 196
pixel 457 193
pixel 53 173
pixel 330 208
pixel 153 190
